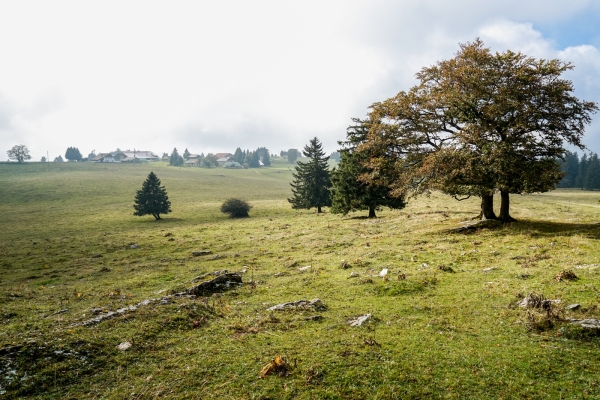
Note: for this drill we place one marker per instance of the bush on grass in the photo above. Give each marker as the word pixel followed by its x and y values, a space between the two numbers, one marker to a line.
pixel 236 208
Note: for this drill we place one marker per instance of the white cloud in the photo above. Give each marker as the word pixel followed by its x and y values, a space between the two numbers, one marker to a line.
pixel 212 76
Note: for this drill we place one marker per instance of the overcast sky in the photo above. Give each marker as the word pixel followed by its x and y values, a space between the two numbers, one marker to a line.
pixel 214 75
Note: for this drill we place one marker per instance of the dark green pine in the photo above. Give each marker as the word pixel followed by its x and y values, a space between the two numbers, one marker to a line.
pixel 312 181
pixel 152 198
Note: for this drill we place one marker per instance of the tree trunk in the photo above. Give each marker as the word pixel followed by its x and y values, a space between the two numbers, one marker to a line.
pixel 505 207
pixel 372 212
pixel 487 207
pixel 319 210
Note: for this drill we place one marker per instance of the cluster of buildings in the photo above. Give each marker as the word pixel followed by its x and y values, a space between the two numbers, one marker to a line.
pixel 194 160
pixel 125 156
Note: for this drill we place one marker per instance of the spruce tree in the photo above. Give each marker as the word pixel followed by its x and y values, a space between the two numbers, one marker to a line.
pixel 175 159
pixel 266 159
pixel 238 156
pixel 312 179
pixel 152 199
pixel 186 154
pixel 592 173
pixel 348 192
pixel 582 171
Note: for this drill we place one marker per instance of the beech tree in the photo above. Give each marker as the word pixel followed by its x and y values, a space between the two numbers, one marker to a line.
pixel 348 192
pixel 152 198
pixel 19 153
pixel 481 122
pixel 312 181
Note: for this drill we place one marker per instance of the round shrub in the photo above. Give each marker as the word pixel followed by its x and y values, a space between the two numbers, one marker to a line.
pixel 236 208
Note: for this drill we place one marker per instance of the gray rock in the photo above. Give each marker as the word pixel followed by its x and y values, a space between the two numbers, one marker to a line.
pixel 587 323
pixel 221 283
pixel 314 304
pixel 304 269
pixel 354 274
pixel 358 321
pixel 124 346
pixel 134 246
pixel 572 307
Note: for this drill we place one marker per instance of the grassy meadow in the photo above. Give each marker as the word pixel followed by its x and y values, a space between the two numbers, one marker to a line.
pixel 454 332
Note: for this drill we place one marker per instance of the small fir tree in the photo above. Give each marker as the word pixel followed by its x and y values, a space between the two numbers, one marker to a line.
pixel 312 179
pixel 349 193
pixel 152 199
pixel 186 154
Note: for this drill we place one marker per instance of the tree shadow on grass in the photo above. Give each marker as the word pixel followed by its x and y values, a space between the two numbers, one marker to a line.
pixel 533 228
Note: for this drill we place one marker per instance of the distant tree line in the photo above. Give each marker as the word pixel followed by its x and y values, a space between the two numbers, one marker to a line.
pixel 580 173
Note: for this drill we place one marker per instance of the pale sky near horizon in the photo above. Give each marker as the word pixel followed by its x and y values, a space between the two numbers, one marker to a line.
pixel 213 76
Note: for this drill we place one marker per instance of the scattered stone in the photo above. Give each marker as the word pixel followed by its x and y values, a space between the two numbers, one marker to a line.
pixel 344 264
pixel 217 257
pixel 354 274
pixel 445 268
pixel 219 284
pixel 358 321
pixel 587 323
pixel 490 269
pixel 97 256
pixel 424 266
pixel 314 318
pixel 572 307
pixel 199 253
pixel 567 275
pixel 383 273
pixel 124 346
pixel 304 269
pixel 244 270
pixel 534 300
pixel 278 274
pixel 134 246
pixel 315 304
pixel 95 310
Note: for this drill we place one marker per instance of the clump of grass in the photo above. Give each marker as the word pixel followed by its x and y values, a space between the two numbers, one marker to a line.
pixel 445 268
pixel 542 313
pixel 567 275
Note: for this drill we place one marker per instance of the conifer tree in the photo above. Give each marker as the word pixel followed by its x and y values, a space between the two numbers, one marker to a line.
pixel 266 159
pixel 312 179
pixel 581 172
pixel 349 193
pixel 592 173
pixel 152 198
pixel 238 156
pixel 186 154
pixel 175 159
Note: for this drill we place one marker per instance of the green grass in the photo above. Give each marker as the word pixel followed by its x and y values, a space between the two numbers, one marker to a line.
pixel 65 245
